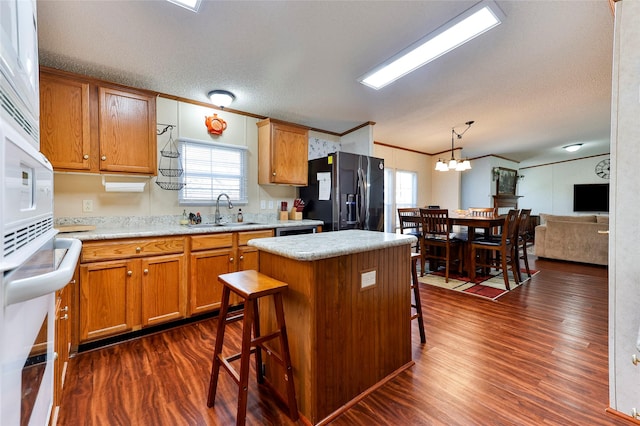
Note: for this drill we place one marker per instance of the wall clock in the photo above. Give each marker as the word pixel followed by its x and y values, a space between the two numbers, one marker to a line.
pixel 602 168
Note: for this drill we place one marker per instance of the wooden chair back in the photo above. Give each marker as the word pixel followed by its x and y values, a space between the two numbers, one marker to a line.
pixel 435 224
pixel 482 211
pixel 409 220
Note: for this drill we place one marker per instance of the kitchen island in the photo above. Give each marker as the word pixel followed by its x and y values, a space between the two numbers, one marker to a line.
pixel 347 312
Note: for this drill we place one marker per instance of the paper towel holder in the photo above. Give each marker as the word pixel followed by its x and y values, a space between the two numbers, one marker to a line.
pixel 123 186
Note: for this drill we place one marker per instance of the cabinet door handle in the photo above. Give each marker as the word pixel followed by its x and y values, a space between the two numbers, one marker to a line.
pixel 241 257
pixel 65 309
pixel 65 317
pixel 274 173
pixel 231 259
pixel 85 157
pixel 129 273
pixel 103 158
pixel 146 271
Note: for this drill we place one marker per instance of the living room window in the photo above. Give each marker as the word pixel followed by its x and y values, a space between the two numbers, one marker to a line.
pixel 211 169
pixel 401 190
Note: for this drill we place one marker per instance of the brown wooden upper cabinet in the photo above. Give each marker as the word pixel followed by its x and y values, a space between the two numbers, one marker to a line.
pixel 87 125
pixel 282 153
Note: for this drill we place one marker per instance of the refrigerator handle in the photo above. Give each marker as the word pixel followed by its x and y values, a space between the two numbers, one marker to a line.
pixel 362 200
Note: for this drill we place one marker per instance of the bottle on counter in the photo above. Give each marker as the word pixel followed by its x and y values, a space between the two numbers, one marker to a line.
pixel 184 220
pixel 240 218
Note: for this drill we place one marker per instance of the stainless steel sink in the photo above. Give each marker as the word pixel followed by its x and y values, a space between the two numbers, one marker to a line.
pixel 230 224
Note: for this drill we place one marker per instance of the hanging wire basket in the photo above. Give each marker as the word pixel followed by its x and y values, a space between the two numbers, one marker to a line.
pixel 170 149
pixel 170 186
pixel 170 165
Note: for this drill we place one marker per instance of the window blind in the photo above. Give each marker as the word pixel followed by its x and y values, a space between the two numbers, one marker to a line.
pixel 211 169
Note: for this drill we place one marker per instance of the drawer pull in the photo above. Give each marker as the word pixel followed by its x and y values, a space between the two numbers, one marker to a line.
pixel 129 273
pixel 138 249
pixel 146 271
pixel 231 259
pixel 241 257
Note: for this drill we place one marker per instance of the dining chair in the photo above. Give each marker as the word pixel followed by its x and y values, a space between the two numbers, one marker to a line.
pixel 438 243
pixel 498 254
pixel 483 212
pixel 410 223
pixel 524 238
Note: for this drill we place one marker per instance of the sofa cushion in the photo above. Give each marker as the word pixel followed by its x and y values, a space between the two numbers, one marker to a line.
pixel 544 218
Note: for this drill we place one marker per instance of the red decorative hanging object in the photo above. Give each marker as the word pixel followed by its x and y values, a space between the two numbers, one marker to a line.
pixel 215 125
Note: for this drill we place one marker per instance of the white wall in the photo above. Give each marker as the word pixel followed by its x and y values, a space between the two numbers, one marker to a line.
pixel 624 227
pixel 359 141
pixel 549 188
pixel 478 184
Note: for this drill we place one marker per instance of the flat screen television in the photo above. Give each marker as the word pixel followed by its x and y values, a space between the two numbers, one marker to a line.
pixel 591 197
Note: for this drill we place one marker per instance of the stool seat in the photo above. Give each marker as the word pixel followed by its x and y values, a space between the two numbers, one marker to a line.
pixel 251 285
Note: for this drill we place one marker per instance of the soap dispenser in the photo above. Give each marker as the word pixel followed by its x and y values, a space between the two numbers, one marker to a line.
pixel 240 218
pixel 185 219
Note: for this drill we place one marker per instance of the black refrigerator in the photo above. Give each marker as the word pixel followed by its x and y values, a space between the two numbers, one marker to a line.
pixel 346 191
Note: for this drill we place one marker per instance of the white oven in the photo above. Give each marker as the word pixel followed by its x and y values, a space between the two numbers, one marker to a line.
pixel 34 264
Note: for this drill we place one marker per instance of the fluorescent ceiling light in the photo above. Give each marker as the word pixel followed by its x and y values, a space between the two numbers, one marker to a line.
pixel 192 5
pixel 466 26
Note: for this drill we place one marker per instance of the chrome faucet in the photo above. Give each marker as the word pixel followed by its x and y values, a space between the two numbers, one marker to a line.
pixel 217 216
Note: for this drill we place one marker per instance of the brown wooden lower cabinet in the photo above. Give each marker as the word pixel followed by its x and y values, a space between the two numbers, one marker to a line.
pixel 146 287
pixel 216 254
pixel 128 284
pixel 62 344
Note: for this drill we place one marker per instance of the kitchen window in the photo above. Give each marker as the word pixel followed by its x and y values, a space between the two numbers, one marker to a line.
pixel 211 169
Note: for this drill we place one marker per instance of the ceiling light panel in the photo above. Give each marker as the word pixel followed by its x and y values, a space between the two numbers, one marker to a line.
pixel 466 26
pixel 192 5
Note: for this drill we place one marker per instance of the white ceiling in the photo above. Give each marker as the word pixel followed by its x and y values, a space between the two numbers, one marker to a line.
pixel 539 81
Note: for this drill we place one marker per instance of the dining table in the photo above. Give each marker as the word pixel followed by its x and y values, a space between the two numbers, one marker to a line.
pixel 457 218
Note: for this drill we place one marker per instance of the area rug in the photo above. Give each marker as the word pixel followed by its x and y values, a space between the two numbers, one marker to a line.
pixel 487 286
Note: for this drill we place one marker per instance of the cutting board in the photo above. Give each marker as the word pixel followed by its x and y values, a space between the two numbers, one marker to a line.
pixel 76 228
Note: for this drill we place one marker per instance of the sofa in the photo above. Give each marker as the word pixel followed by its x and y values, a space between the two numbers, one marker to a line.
pixel 573 238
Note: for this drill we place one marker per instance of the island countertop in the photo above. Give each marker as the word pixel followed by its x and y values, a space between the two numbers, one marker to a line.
pixel 308 247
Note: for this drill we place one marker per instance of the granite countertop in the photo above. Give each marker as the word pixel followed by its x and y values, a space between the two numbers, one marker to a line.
pixel 323 245
pixel 110 231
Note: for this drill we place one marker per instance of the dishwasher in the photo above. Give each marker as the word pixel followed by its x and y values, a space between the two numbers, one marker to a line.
pixel 295 230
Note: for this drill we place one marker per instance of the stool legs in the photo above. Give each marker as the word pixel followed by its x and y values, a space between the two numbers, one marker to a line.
pixel 286 358
pixel 416 296
pixel 217 352
pixel 251 323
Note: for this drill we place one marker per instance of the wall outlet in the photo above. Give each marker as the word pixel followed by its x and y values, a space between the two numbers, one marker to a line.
pixel 263 204
pixel 87 206
pixel 367 279
pixel 270 204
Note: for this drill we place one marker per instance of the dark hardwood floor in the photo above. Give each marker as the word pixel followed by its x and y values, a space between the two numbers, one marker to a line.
pixel 536 356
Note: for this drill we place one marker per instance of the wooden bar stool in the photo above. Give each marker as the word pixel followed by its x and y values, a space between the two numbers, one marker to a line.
pixel 250 286
pixel 415 285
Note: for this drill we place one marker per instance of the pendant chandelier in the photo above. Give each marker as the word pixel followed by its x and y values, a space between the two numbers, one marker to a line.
pixel 453 164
